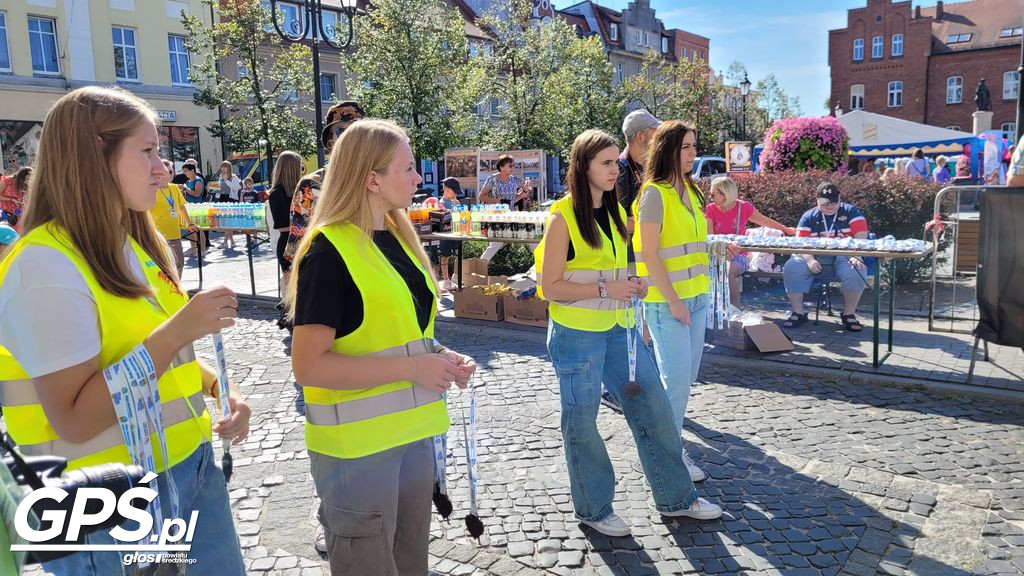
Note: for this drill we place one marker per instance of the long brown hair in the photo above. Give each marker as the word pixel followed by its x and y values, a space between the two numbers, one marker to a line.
pixel 365 146
pixel 586 146
pixel 287 172
pixel 661 163
pixel 74 187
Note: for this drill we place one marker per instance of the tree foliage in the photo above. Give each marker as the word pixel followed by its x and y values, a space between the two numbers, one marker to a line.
pixel 412 65
pixel 262 104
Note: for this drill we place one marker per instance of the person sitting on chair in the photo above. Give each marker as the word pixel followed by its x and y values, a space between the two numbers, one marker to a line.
pixel 830 219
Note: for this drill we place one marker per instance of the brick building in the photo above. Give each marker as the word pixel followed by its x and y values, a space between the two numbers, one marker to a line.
pixel 924 64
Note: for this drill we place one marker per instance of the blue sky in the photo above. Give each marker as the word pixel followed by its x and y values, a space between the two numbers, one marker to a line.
pixel 786 37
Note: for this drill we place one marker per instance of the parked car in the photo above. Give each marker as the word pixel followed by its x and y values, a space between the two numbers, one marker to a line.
pixel 251 164
pixel 704 166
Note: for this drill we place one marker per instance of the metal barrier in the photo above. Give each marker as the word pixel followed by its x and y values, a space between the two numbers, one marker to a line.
pixel 954 221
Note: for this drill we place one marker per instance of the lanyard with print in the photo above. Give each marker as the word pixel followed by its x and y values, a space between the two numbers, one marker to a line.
pixel 633 330
pixel 227 462
pixel 170 204
pixel 829 230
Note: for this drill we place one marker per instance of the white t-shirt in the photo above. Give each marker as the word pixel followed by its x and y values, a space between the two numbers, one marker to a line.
pixel 231 187
pixel 1017 160
pixel 48 317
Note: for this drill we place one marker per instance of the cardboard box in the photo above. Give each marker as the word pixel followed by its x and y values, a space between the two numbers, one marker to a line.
pixel 764 337
pixel 441 220
pixel 474 272
pixel 423 227
pixel 472 303
pixel 530 312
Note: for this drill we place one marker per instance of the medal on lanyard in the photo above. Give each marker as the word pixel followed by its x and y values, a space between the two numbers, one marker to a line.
pixel 227 462
pixel 473 523
pixel 633 330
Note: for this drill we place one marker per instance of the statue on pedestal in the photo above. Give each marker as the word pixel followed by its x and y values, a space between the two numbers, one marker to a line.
pixel 982 98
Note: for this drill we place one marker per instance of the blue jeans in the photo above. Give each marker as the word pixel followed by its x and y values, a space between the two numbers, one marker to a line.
pixel 582 360
pixel 215 546
pixel 798 278
pixel 678 348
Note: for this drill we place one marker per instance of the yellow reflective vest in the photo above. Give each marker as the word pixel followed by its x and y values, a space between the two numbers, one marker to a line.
pixel 682 245
pixel 360 422
pixel 124 323
pixel 587 266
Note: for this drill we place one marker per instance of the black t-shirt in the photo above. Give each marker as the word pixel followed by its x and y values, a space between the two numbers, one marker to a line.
pixel 628 186
pixel 604 221
pixel 280 207
pixel 328 295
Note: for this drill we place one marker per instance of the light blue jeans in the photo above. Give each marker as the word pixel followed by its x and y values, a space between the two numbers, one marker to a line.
pixel 582 360
pixel 215 546
pixel 678 348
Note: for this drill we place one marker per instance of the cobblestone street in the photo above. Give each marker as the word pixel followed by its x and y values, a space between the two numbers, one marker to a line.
pixel 817 477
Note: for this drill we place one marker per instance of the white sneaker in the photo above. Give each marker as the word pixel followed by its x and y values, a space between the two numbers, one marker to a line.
pixel 320 540
pixel 701 509
pixel 610 525
pixel 696 474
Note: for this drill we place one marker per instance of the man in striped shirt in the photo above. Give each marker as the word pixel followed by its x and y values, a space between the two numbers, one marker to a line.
pixel 830 219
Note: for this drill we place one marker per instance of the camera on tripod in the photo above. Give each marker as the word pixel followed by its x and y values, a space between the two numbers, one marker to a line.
pixel 62 517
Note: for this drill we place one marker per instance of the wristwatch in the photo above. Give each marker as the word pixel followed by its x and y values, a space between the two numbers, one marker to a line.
pixel 602 287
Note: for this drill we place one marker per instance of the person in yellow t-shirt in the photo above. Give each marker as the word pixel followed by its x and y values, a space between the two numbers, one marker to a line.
pixel 169 213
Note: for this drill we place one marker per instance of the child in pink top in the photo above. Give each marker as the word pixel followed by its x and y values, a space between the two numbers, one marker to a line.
pixel 727 214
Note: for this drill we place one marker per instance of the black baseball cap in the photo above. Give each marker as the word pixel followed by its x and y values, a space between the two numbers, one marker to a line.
pixel 452 183
pixel 828 191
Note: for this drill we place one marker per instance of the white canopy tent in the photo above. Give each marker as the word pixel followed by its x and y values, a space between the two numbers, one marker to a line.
pixel 878 136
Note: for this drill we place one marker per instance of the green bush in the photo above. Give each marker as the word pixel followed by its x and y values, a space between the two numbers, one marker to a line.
pixel 510 260
pixel 899 206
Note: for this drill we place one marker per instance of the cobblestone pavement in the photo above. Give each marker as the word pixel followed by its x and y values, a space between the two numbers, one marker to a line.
pixel 816 476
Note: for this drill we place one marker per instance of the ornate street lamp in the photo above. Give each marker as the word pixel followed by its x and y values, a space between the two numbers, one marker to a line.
pixel 311 26
pixel 744 90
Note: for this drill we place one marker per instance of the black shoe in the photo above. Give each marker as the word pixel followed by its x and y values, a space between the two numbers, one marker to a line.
pixel 608 400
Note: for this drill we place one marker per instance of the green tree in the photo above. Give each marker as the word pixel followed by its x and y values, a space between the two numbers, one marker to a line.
pixel 772 98
pixel 263 102
pixel 412 65
pixel 552 84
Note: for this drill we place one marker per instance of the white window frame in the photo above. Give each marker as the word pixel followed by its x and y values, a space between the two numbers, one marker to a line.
pixel 40 34
pixel 955 90
pixel 1009 130
pixel 647 39
pixel 636 37
pixel 894 97
pixel 613 32
pixel 857 97
pixel 858 49
pixel 958 38
pixel 243 70
pixel 124 46
pixel 664 44
pixel 5 46
pixel 620 71
pixel 325 98
pixel 877 47
pixel 1011 85
pixel 1011 32
pixel 897 45
pixel 174 58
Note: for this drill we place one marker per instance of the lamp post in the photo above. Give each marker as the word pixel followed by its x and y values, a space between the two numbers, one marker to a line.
pixel 1020 96
pixel 311 25
pixel 744 90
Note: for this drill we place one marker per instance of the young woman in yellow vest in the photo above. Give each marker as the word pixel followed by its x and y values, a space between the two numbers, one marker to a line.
pixel 363 300
pixel 671 254
pixel 582 264
pixel 91 286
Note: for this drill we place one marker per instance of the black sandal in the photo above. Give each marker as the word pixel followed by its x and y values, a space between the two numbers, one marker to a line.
pixel 850 323
pixel 795 320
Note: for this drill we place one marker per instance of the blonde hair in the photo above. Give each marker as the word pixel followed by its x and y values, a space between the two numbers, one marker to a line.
pixel 74 187
pixel 287 172
pixel 726 187
pixel 248 180
pixel 366 146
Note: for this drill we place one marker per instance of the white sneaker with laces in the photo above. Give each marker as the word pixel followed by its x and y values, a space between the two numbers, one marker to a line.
pixel 320 540
pixel 696 474
pixel 611 525
pixel 701 509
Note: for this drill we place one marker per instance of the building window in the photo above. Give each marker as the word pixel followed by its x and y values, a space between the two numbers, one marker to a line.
pixel 1011 32
pixel 1009 131
pixel 857 97
pixel 42 38
pixel 179 60
pixel 858 49
pixel 636 37
pixel 288 18
pixel 1011 85
pixel 5 54
pixel 700 55
pixel 126 64
pixel 647 39
pixel 958 38
pixel 897 45
pixel 954 90
pixel 243 70
pixel 620 73
pixel 613 32
pixel 328 87
pixel 497 106
pixel 895 94
pixel 664 44
pixel 876 46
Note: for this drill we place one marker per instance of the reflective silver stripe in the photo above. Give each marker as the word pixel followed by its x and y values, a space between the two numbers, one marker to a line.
pixel 589 276
pixel 595 304
pixel 414 348
pixel 372 407
pixel 17 393
pixel 184 356
pixel 688 273
pixel 175 412
pixel 677 250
